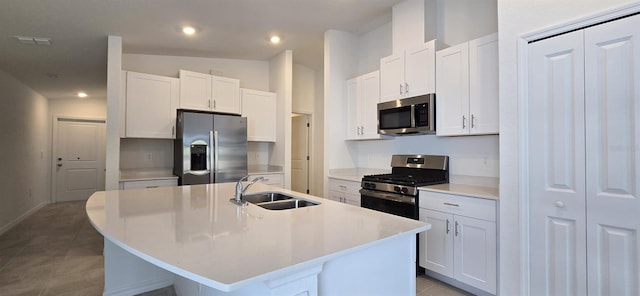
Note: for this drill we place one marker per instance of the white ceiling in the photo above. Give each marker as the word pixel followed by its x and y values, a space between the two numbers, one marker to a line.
pixel 236 29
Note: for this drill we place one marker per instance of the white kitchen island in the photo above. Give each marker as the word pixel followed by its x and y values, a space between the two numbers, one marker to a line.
pixel 192 237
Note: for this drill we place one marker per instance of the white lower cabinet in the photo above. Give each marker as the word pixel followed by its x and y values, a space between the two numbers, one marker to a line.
pixel 149 183
pixel 461 243
pixel 344 191
pixel 275 179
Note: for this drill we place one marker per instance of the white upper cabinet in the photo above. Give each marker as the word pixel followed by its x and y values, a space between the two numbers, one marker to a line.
pixel 363 96
pixel 225 94
pixel 409 73
pixel 205 92
pixel 467 88
pixel 259 107
pixel 151 103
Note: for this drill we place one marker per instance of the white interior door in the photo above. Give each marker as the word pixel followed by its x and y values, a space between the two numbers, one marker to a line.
pixel 612 81
pixel 300 153
pixel 79 159
pixel 556 137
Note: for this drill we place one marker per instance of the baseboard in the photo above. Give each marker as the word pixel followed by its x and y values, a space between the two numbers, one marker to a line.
pixel 141 287
pixel 457 284
pixel 15 221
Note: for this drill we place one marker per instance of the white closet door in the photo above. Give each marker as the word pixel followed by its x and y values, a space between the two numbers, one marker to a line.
pixel 612 79
pixel 556 166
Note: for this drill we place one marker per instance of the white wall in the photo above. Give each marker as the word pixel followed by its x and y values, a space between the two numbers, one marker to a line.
pixel 340 64
pixel 516 18
pixel 253 74
pixel 114 111
pixel 317 184
pixel 304 89
pixel 373 46
pixel 281 82
pixel 79 107
pixel 463 20
pixel 24 151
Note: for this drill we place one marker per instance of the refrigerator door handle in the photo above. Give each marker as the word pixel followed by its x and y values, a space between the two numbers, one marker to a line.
pixel 215 154
pixel 212 156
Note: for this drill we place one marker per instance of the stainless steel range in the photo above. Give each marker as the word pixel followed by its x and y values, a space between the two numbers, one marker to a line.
pixel 397 193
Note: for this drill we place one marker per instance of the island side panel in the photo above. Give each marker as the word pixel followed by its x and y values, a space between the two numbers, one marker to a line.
pixel 386 268
pixel 126 274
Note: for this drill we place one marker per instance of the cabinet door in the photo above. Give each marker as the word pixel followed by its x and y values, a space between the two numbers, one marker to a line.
pixel 556 137
pixel 195 91
pixel 259 107
pixel 151 106
pixel 475 252
pixel 392 77
pixel 225 93
pixel 436 244
pixel 483 85
pixel 369 99
pixel 420 70
pixel 353 112
pixel 612 104
pixel 452 88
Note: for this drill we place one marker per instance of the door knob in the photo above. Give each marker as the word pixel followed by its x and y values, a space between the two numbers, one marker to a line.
pixel 559 204
pixel 59 165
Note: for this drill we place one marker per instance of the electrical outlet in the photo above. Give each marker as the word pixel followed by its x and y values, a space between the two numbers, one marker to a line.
pixel 485 162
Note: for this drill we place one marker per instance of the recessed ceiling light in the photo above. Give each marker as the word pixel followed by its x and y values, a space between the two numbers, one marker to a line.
pixel 188 30
pixel 275 39
pixel 82 94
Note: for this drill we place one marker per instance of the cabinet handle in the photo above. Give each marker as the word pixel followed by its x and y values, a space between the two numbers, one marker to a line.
pixel 173 130
pixel 406 87
pixel 464 121
pixel 214 104
pixel 451 204
pixel 152 186
pixel 400 88
pixel 362 130
pixel 447 226
pixel 209 104
pixel 559 204
pixel 358 129
pixel 473 118
pixel 343 187
pixel 456 228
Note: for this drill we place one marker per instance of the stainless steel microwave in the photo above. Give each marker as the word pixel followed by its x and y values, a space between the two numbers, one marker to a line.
pixel 415 115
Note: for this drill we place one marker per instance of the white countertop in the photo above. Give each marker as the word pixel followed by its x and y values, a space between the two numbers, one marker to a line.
pixel 464 189
pixel 195 232
pixel 265 169
pixel 146 174
pixel 355 174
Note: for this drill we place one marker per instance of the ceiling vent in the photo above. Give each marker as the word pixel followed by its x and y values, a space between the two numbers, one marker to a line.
pixel 33 40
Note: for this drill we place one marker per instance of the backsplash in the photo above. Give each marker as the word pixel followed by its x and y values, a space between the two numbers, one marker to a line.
pixel 146 154
pixel 468 155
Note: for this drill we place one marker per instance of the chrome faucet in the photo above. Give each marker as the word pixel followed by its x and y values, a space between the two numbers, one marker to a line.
pixel 240 190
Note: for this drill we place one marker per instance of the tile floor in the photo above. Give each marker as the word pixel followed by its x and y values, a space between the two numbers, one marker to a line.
pixel 57 252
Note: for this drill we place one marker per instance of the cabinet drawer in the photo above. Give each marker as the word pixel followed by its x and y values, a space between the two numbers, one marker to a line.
pixel 270 179
pixel 149 183
pixel 344 186
pixel 474 207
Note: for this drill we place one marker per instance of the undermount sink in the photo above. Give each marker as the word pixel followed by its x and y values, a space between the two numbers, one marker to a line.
pixel 277 201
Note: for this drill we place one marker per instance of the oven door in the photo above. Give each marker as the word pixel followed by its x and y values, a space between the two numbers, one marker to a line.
pixel 396 204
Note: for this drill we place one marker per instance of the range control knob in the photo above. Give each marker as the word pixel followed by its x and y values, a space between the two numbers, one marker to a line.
pixel 397 188
pixel 405 190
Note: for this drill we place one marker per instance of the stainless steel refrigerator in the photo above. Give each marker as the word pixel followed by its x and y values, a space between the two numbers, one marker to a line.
pixel 210 148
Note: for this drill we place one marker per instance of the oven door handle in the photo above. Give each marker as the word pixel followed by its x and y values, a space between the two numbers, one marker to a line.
pixel 388 196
